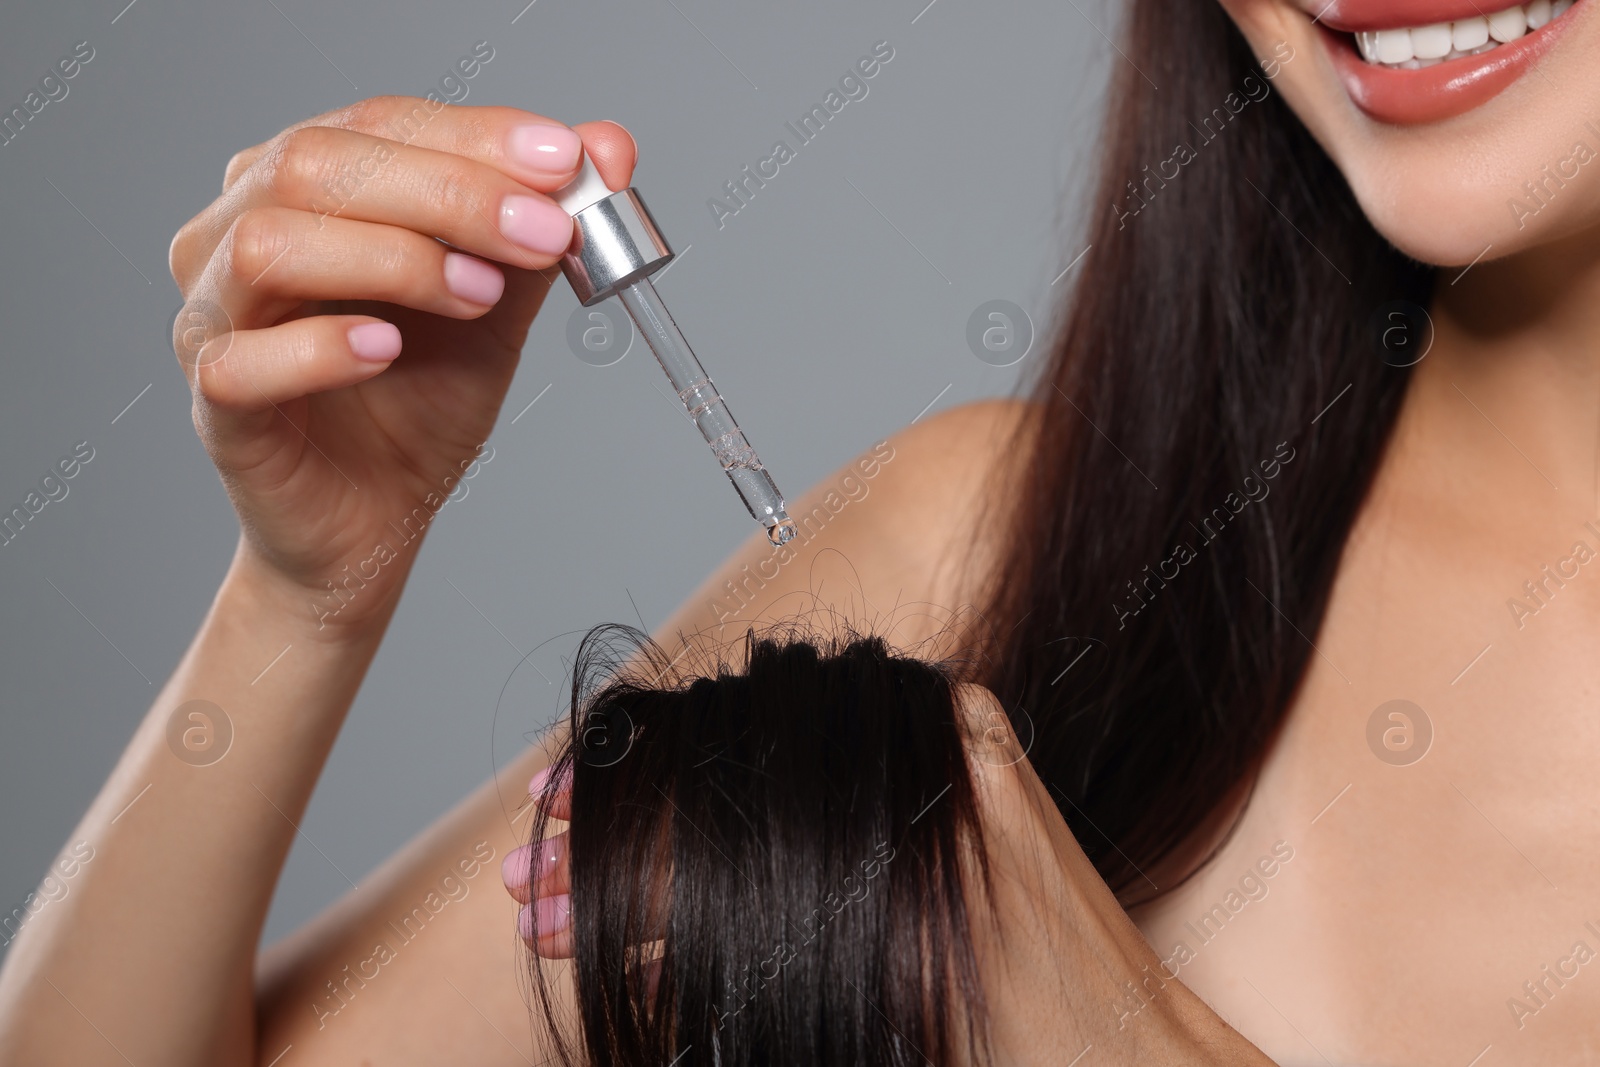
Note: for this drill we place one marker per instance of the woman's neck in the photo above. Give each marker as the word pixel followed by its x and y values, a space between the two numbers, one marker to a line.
pixel 1504 411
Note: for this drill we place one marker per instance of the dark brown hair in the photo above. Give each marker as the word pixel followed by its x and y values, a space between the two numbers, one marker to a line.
pixel 784 842
pixel 1220 310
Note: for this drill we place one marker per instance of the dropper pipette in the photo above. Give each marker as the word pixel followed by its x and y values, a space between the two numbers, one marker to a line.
pixel 616 246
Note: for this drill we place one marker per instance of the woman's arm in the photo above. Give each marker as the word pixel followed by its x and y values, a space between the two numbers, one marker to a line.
pixel 149 957
pixel 393 223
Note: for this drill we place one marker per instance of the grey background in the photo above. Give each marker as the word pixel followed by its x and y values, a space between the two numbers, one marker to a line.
pixel 829 315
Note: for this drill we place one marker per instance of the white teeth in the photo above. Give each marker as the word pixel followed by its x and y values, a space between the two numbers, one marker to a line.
pixel 1423 46
pixel 1506 26
pixel 1467 34
pixel 1432 42
pixel 1394 46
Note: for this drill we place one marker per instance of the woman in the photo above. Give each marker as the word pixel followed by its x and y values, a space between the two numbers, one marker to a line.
pixel 1208 706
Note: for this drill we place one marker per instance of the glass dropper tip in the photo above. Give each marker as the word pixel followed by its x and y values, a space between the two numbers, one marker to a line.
pixel 781 532
pixel 707 410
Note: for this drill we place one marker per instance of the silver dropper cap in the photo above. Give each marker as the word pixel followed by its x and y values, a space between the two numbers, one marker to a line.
pixel 615 241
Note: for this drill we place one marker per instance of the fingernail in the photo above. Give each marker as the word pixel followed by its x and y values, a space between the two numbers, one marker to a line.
pixel 472 279
pixel 537 783
pixel 551 852
pixel 543 147
pixel 525 922
pixel 537 225
pixel 554 914
pixel 514 869
pixel 376 342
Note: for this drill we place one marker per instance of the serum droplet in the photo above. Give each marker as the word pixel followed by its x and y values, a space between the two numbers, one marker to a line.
pixel 781 532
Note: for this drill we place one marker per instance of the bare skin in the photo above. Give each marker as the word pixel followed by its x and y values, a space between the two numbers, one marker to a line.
pixel 1460 876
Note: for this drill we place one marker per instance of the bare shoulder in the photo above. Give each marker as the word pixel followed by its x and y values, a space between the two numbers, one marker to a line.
pixel 947 459
pixel 898 537
pixel 932 474
pixel 969 439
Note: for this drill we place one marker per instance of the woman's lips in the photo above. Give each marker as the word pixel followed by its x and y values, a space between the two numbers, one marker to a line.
pixel 1353 15
pixel 1444 90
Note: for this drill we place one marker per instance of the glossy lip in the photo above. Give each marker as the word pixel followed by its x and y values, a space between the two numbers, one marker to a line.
pixel 1444 90
pixel 1352 15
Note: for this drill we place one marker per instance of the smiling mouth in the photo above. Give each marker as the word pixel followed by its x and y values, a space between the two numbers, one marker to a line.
pixel 1413 48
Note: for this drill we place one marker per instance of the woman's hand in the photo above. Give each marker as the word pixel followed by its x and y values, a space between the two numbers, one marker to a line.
pixel 355 305
pixel 1064 968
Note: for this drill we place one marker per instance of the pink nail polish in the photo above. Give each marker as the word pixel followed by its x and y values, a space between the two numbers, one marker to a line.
pixel 537 225
pixel 551 852
pixel 472 279
pixel 514 869
pixel 554 914
pixel 544 147
pixel 375 342
pixel 525 922
pixel 537 783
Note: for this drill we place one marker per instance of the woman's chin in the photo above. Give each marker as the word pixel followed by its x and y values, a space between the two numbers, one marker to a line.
pixel 1456 228
pixel 1438 240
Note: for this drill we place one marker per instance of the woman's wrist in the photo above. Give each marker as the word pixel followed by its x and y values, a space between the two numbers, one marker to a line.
pixel 352 613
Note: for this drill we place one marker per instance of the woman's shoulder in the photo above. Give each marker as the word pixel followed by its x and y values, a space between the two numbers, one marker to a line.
pixel 892 538
pixel 967 438
pixel 914 491
pixel 944 461
pixel 945 496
